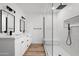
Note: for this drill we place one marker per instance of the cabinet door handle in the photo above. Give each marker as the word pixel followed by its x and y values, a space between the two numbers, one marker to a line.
pixel 27 40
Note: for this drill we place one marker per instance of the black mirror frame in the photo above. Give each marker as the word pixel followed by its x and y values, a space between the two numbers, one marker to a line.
pixel 7 20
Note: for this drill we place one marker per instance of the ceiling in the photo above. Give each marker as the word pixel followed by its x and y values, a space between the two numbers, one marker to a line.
pixel 35 8
pixel 39 8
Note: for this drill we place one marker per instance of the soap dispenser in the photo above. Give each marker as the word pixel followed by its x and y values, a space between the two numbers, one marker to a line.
pixel 10 32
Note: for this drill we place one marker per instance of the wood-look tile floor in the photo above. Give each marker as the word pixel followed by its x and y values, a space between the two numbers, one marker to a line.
pixel 35 50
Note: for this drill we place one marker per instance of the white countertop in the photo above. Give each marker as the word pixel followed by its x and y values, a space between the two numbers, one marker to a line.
pixel 13 36
pixel 6 36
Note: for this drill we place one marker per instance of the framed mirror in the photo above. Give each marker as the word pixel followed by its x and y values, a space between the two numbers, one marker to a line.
pixel 22 25
pixel 8 22
pixel 11 23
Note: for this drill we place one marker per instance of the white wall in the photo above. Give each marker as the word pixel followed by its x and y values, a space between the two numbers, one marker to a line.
pixel 61 34
pixel 36 22
pixel 55 28
pixel 48 27
pixel 36 12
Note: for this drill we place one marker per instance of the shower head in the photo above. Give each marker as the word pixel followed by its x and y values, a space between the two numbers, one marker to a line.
pixel 61 6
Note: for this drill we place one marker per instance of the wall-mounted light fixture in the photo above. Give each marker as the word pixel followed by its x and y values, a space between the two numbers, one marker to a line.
pixel 23 17
pixel 10 9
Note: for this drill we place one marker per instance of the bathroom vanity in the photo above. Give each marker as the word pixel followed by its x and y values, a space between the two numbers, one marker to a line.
pixel 11 45
pixel 12 42
pixel 21 44
pixel 7 46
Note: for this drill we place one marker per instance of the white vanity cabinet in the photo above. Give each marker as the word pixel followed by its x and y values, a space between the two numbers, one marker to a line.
pixel 7 46
pixel 21 45
pixel 28 41
pixel 14 45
